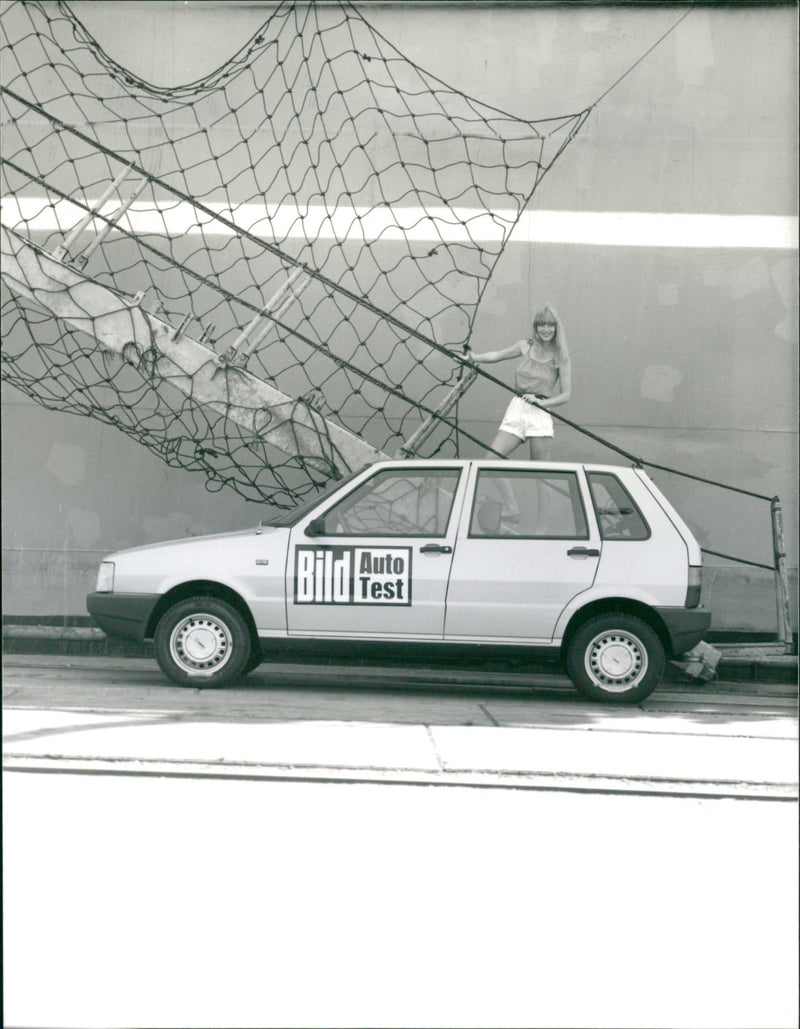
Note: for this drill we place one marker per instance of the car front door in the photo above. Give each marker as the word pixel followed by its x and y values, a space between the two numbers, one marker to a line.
pixel 527 549
pixel 377 562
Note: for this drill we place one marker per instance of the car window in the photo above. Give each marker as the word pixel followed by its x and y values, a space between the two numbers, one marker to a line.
pixel 528 504
pixel 293 516
pixel 617 514
pixel 397 502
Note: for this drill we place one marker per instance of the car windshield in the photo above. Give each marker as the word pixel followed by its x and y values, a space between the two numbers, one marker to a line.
pixel 286 519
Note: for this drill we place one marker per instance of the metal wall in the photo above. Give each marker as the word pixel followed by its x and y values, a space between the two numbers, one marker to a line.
pixel 665 235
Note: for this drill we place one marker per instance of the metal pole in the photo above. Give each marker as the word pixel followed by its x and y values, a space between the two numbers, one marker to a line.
pixel 781 579
pixel 73 234
pixel 285 304
pixel 113 219
pixel 410 447
pixel 279 300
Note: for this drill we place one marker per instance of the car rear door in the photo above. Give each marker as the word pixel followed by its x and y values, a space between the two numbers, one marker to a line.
pixel 377 562
pixel 527 546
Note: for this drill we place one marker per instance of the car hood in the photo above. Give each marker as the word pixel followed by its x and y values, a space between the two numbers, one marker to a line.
pixel 215 540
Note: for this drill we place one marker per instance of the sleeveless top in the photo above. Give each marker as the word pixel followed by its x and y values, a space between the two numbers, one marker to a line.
pixel 535 376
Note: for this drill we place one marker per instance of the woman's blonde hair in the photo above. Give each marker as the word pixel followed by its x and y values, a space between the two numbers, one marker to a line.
pixel 547 314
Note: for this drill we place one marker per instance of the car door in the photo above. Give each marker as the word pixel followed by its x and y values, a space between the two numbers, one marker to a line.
pixel 528 547
pixel 377 562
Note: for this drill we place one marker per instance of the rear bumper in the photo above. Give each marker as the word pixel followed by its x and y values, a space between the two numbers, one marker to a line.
pixel 686 626
pixel 125 615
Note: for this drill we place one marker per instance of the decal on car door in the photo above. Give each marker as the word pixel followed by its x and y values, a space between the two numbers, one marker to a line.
pixel 378 576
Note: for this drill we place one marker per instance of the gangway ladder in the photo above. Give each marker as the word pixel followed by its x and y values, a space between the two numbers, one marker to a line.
pixel 170 354
pixel 239 352
pixel 415 441
pixel 63 252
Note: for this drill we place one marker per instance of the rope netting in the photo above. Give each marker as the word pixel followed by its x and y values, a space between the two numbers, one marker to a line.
pixel 265 275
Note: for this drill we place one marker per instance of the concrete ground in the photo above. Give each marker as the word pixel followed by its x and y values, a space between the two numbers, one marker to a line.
pixel 121 715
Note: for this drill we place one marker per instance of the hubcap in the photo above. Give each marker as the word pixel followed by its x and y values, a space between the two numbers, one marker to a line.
pixel 616 661
pixel 200 644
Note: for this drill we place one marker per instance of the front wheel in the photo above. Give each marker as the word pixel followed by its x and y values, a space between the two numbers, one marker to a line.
pixel 256 658
pixel 202 641
pixel 615 657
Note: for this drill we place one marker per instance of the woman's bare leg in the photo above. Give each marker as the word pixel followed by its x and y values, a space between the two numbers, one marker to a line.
pixel 540 447
pixel 504 442
pixel 540 451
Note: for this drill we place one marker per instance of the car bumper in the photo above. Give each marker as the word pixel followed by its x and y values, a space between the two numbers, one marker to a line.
pixel 122 614
pixel 686 626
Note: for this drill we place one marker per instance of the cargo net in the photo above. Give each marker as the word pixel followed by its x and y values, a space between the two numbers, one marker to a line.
pixel 267 275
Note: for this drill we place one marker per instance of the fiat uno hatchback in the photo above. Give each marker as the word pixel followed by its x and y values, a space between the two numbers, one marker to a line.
pixel 587 563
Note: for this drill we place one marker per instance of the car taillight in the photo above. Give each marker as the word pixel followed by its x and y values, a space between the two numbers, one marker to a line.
pixel 695 585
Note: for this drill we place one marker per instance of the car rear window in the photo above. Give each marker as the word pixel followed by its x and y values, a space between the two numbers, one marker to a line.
pixel 617 514
pixel 535 504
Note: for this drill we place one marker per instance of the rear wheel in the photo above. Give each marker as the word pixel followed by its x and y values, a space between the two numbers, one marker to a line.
pixel 202 641
pixel 615 657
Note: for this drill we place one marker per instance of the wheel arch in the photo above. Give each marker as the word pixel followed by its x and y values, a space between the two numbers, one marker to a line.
pixel 612 605
pixel 201 588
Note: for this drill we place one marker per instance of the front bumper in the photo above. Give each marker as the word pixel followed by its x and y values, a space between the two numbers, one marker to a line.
pixel 122 614
pixel 686 626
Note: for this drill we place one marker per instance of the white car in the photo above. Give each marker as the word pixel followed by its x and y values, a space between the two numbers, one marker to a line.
pixel 589 563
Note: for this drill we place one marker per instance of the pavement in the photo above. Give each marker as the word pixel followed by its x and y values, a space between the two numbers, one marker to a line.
pixel 724 742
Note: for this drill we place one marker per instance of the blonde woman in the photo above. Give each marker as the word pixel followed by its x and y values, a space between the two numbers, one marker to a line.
pixel 544 375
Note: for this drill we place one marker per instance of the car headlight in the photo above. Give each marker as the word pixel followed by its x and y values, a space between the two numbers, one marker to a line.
pixel 105 577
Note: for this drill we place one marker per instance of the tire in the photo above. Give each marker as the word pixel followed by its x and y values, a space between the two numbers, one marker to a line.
pixel 616 658
pixel 202 641
pixel 256 657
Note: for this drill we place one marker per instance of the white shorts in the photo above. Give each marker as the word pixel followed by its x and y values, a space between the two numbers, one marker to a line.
pixel 523 420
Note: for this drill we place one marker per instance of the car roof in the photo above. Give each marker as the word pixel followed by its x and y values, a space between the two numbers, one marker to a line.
pixel 463 462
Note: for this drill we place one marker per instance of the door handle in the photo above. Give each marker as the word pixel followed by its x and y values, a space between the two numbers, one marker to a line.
pixel 583 552
pixel 435 548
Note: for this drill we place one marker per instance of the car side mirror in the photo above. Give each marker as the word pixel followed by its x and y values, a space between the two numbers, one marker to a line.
pixel 316 527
